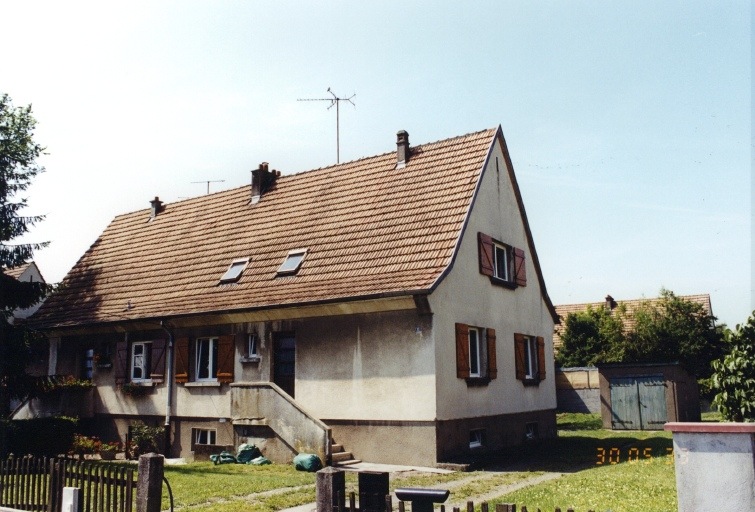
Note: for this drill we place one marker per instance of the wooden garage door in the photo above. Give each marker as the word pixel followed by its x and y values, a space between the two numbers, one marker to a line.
pixel 638 403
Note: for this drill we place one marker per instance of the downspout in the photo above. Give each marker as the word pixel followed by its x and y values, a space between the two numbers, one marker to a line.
pixel 169 378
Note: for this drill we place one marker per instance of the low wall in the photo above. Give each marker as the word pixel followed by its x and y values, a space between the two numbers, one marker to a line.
pixel 578 390
pixel 715 465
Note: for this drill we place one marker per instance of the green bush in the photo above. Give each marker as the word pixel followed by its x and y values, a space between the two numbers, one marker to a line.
pixel 734 374
pixel 145 439
pixel 39 436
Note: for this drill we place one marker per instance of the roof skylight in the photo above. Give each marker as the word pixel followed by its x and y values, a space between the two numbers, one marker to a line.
pixel 234 271
pixel 292 262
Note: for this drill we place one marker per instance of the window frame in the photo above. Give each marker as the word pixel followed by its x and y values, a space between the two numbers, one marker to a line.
pixel 287 268
pixel 508 253
pixel 212 358
pixel 486 354
pixel 197 433
pixel 475 356
pixel 234 271
pixel 531 371
pixel 516 267
pixel 529 358
pixel 146 365
pixel 477 438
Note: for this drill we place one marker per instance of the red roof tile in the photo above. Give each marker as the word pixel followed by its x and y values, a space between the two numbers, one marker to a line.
pixel 370 230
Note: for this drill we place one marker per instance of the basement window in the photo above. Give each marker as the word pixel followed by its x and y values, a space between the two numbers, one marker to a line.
pixel 204 436
pixel 477 438
pixel 292 262
pixel 234 271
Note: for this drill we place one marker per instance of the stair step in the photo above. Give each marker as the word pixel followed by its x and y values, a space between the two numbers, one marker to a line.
pixel 348 462
pixel 341 456
pixel 335 448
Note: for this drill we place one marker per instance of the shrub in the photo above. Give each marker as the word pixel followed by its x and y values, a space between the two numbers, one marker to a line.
pixel 145 439
pixel 39 436
pixel 734 374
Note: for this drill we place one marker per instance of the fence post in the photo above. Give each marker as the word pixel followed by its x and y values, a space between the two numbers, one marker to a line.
pixel 149 482
pixel 331 490
pixel 71 499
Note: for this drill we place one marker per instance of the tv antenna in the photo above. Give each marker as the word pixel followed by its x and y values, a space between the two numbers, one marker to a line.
pixel 335 100
pixel 208 183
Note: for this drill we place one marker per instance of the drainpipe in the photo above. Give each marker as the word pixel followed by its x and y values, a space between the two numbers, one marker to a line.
pixel 169 378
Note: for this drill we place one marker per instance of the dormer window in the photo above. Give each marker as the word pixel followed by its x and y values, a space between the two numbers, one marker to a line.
pixel 234 271
pixel 292 262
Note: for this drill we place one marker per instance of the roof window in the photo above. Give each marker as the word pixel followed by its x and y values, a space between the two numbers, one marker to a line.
pixel 234 271
pixel 292 262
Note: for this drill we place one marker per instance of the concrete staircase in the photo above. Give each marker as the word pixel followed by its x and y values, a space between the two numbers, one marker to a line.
pixel 340 457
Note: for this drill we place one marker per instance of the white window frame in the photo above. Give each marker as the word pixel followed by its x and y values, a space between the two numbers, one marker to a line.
pixel 292 263
pixel 212 350
pixel 210 436
pixel 235 269
pixel 530 356
pixel 145 363
pixel 252 346
pixel 505 251
pixel 477 438
pixel 475 348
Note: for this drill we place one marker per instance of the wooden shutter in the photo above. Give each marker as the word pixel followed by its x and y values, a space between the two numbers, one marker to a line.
pixel 121 362
pixel 226 351
pixel 157 372
pixel 462 351
pixel 520 270
pixel 487 259
pixel 520 355
pixel 182 360
pixel 492 366
pixel 540 358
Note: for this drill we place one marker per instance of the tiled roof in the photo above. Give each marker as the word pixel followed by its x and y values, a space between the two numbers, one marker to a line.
pixel 631 305
pixel 17 271
pixel 370 229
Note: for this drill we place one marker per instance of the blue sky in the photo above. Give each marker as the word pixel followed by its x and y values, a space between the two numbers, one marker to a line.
pixel 628 123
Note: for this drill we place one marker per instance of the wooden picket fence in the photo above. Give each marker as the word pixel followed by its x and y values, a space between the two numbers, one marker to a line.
pixel 36 484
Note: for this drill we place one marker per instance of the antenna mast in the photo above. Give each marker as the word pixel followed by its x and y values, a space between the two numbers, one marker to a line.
pixel 208 183
pixel 335 100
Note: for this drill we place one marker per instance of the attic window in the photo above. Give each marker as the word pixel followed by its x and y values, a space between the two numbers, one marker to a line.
pixel 292 262
pixel 234 271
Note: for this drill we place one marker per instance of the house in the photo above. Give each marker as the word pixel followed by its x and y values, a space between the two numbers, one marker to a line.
pixel 627 306
pixel 28 272
pixel 393 305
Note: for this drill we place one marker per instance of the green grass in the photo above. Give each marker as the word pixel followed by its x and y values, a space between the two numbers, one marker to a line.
pixel 621 471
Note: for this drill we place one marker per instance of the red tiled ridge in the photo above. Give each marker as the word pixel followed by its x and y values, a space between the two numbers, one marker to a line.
pixel 631 305
pixel 370 230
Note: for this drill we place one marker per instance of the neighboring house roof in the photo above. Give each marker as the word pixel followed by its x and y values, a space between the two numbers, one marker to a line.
pixel 17 272
pixel 371 228
pixel 27 272
pixel 630 305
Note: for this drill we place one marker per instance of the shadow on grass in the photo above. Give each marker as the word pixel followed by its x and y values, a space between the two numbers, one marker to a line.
pixel 573 453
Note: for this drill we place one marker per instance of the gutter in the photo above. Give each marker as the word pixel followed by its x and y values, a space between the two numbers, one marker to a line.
pixel 169 378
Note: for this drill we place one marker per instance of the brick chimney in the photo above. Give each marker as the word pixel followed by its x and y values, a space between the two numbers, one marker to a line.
pixel 402 148
pixel 157 207
pixel 263 180
pixel 610 303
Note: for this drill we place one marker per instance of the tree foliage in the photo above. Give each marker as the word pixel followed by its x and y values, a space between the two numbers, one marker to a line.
pixel 733 377
pixel 593 336
pixel 18 166
pixel 669 329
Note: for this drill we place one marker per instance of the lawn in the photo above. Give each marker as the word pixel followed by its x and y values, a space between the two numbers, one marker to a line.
pixel 604 470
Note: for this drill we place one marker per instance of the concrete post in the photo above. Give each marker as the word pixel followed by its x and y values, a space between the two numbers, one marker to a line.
pixel 71 500
pixel 149 482
pixel 331 490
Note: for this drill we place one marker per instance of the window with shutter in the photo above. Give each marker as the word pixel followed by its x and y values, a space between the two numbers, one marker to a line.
pixel 226 349
pixel 121 362
pixel 475 354
pixel 157 370
pixel 502 263
pixel 182 360
pixel 529 354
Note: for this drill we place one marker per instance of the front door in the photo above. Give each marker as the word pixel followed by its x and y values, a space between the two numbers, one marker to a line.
pixel 284 361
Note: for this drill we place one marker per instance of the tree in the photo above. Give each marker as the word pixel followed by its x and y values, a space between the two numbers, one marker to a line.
pixel 733 377
pixel 18 165
pixel 674 329
pixel 595 335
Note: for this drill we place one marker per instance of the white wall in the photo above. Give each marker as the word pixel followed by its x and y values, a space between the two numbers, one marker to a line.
pixel 467 296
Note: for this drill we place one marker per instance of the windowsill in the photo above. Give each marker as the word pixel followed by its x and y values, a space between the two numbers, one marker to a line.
pixel 477 381
pixel 250 359
pixel 502 282
pixel 203 384
pixel 143 383
pixel 531 382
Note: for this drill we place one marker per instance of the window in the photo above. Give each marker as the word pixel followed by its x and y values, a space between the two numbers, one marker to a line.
pixel 477 438
pixel 141 353
pixel 206 359
pixel 529 354
pixel 139 361
pixel 234 271
pixel 292 262
pixel 251 346
pixel 475 354
pixel 204 436
pixel 503 263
